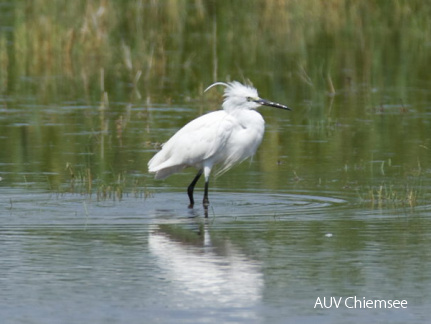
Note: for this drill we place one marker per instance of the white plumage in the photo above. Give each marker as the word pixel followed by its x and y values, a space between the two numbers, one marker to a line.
pixel 224 137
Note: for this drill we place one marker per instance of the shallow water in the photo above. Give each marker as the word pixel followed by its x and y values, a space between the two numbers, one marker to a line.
pixel 258 258
pixel 89 236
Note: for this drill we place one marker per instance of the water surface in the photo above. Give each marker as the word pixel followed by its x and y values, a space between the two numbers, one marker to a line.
pixel 258 258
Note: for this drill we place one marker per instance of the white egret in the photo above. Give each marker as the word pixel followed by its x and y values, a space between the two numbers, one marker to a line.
pixel 224 137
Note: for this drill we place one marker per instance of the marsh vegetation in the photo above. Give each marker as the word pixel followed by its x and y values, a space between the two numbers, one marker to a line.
pixel 97 85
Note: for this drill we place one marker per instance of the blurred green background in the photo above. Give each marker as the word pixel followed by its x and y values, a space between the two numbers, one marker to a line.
pixel 89 89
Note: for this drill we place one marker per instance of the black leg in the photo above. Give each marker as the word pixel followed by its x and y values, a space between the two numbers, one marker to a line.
pixel 191 187
pixel 206 202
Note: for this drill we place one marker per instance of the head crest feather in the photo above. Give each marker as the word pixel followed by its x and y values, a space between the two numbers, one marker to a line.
pixel 217 83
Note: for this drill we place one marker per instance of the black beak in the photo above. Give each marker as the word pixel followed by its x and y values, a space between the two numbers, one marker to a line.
pixel 265 102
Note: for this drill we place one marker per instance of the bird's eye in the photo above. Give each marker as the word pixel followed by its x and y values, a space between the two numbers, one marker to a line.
pixel 249 98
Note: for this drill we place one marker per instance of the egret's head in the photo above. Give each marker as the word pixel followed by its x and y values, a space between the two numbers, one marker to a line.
pixel 239 96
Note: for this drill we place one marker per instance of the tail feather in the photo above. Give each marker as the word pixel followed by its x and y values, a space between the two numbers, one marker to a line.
pixel 162 167
pixel 166 172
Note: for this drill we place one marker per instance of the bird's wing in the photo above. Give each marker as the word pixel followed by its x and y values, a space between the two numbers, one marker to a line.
pixel 197 141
